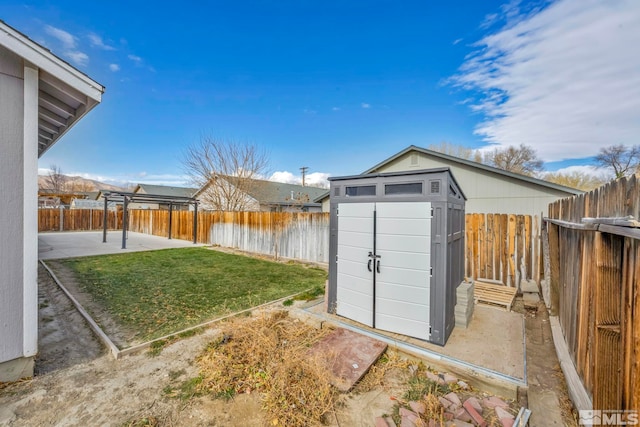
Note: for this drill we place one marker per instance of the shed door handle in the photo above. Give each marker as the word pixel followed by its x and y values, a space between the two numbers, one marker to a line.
pixel 378 266
pixel 369 265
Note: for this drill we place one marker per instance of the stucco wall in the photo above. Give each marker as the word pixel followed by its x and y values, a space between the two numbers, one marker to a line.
pixel 486 192
pixel 11 194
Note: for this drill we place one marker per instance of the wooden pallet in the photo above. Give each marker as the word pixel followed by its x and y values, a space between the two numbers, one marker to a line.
pixel 494 295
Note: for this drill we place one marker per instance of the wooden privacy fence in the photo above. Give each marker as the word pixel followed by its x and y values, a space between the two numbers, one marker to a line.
pixel 502 248
pixel 594 256
pixel 59 219
pixel 303 236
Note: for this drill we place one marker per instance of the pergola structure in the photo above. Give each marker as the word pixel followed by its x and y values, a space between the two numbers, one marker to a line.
pixel 125 198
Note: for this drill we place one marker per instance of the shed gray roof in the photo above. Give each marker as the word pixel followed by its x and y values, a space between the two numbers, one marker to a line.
pixel 165 190
pixel 477 165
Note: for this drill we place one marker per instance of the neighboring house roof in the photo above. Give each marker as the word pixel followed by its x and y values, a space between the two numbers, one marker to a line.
pixel 471 163
pixel 278 193
pixel 270 192
pixel 165 190
pixel 65 94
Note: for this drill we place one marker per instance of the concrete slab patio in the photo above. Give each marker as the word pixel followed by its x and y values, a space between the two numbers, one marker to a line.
pixel 86 243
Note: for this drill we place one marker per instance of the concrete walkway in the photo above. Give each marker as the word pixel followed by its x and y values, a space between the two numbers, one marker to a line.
pixel 85 243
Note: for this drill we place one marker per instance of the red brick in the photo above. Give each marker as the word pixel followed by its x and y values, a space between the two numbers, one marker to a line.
pixel 493 401
pixel 390 422
pixel 418 407
pixel 507 422
pixel 444 402
pixel 477 418
pixel 476 404
pixel 406 413
pixel 462 415
pixel 453 398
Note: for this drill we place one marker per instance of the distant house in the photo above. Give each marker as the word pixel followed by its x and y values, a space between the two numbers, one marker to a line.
pixel 90 204
pixel 259 195
pixel 488 189
pixel 162 190
pixel 41 98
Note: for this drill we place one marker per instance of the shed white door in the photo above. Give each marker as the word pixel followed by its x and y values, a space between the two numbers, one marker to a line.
pixel 355 241
pixel 403 242
pixel 399 270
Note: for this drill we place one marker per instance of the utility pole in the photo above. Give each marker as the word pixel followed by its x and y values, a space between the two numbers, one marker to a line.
pixel 304 170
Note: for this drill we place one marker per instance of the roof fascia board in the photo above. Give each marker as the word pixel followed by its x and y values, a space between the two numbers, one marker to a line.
pixel 44 59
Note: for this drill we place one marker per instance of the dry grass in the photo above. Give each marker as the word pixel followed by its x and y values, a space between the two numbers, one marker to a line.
pixel 378 374
pixel 269 354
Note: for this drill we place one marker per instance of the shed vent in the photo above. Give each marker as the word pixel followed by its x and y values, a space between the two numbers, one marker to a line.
pixel 336 191
pixel 414 159
pixel 435 187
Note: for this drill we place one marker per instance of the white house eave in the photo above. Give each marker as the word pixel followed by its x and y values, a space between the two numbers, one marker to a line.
pixel 45 60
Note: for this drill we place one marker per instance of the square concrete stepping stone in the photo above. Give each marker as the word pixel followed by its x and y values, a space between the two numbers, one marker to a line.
pixel 348 356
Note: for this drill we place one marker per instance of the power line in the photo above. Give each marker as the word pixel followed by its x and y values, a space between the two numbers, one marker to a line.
pixel 304 170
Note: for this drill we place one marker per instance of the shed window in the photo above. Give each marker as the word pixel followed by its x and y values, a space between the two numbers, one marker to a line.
pixel 408 188
pixel 361 190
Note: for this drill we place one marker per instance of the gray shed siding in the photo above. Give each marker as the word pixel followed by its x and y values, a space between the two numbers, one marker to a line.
pixel 447 235
pixel 486 191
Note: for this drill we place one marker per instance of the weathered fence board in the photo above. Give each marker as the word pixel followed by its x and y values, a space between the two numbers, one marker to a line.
pixel 77 219
pixel 502 247
pixel 594 291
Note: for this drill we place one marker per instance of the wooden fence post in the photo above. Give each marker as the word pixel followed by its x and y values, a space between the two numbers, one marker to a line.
pixel 554 264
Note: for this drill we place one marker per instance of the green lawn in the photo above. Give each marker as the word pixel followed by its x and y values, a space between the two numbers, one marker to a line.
pixel 159 292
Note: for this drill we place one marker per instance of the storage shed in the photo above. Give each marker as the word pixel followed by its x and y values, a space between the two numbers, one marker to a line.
pixel 397 251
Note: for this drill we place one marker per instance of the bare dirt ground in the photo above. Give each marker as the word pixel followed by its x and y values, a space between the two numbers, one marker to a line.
pixel 78 383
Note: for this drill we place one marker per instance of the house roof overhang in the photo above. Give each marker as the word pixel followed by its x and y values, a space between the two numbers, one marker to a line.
pixel 65 94
pixel 469 163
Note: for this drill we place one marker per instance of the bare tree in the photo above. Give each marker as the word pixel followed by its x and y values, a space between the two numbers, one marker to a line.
pixel 523 160
pixel 225 171
pixel 55 179
pixel 579 180
pixel 622 159
pixel 455 150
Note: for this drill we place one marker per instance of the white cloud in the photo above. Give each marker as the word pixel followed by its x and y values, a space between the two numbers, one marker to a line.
pixel 335 109
pixel 604 174
pixel 135 58
pixel 96 41
pixel 365 105
pixel 316 179
pixel 77 57
pixel 67 39
pixel 114 67
pixel 563 79
pixel 286 177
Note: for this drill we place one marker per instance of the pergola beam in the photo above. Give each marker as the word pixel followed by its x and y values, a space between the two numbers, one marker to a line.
pixel 127 197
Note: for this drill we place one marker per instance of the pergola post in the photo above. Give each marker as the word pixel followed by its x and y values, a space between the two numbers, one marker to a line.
pixel 104 221
pixel 170 218
pixel 125 220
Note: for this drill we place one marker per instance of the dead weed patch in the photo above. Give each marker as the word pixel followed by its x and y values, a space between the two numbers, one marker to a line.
pixel 270 354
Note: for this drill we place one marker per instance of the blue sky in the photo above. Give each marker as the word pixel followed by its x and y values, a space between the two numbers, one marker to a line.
pixel 339 86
